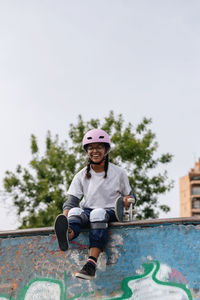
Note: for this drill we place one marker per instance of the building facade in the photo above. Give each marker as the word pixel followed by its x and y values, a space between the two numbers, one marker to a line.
pixel 190 192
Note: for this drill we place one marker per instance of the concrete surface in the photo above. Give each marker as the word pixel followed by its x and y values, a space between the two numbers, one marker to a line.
pixel 144 260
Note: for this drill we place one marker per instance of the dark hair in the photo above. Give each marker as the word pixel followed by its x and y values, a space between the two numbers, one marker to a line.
pixel 106 166
pixel 88 174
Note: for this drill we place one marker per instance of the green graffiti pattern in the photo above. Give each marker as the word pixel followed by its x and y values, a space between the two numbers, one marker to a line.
pixel 127 293
pixel 148 268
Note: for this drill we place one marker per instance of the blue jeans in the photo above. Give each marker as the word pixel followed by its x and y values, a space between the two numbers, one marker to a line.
pixel 97 237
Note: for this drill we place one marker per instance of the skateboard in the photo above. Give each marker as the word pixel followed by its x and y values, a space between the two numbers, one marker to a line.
pixel 61 227
pixel 123 214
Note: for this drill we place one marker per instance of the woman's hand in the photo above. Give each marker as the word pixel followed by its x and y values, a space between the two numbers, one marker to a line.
pixel 65 212
pixel 127 201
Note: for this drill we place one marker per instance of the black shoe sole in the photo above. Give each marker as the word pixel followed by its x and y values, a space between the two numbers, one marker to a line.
pixel 84 276
pixel 61 229
pixel 119 209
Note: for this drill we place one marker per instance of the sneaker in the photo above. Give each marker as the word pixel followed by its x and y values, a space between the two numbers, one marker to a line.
pixel 87 272
pixel 61 228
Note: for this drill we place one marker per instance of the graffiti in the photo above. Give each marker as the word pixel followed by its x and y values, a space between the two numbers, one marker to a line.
pixel 149 286
pixel 40 289
pixel 32 267
pixel 152 282
pixel 176 276
pixel 44 289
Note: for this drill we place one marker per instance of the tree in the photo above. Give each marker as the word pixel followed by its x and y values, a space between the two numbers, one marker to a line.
pixel 40 190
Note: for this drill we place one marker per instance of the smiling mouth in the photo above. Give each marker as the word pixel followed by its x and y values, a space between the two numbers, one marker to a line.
pixel 95 156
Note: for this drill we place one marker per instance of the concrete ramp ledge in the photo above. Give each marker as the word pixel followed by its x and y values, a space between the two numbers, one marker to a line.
pixel 139 223
pixel 143 260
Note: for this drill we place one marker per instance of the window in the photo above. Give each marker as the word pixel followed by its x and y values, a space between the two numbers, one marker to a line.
pixel 196 215
pixel 196 190
pixel 195 178
pixel 196 203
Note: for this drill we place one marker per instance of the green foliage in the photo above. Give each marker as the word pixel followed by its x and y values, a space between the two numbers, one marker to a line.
pixel 40 191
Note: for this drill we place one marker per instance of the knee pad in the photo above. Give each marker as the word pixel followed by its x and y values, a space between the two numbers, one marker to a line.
pixel 77 214
pixel 99 218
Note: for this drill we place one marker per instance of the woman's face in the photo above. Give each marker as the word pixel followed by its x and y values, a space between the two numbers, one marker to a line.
pixel 96 151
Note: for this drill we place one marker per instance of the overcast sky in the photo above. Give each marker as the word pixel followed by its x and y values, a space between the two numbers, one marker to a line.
pixel 60 58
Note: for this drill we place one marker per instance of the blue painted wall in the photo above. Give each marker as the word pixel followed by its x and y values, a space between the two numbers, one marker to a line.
pixel 152 262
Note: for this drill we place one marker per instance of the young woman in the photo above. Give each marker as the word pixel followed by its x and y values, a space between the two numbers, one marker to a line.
pixel 100 183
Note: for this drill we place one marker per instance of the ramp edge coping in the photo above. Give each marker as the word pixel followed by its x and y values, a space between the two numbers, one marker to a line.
pixel 135 223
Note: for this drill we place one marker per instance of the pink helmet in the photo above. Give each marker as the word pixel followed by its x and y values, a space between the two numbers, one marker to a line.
pixel 96 136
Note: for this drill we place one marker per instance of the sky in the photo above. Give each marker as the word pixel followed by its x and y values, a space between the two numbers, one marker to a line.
pixel 59 59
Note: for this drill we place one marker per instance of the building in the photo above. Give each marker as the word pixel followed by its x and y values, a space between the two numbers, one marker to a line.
pixel 190 192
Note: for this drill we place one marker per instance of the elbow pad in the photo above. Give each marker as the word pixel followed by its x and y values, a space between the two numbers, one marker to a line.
pixel 71 202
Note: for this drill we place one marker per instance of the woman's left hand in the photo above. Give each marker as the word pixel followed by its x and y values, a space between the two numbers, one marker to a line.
pixel 126 203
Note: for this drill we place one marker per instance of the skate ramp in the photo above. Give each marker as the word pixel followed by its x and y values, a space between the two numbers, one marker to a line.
pixel 144 260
